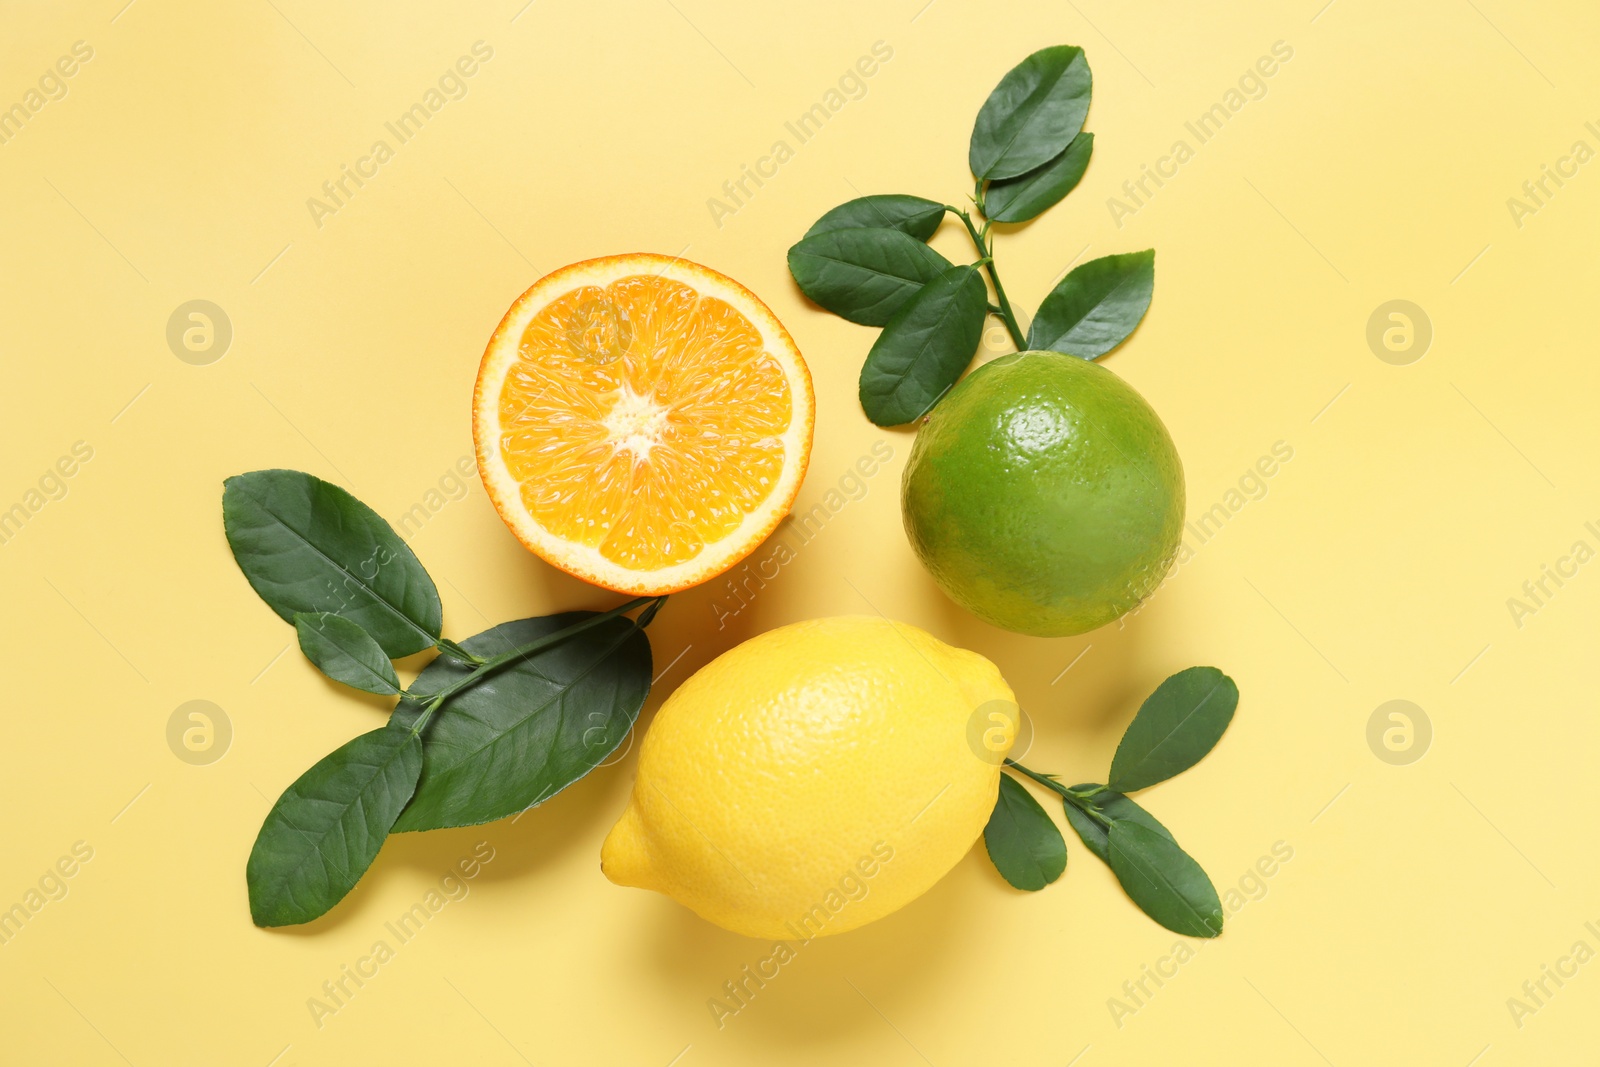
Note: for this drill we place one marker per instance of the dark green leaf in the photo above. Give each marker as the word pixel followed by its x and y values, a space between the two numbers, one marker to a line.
pixel 308 546
pixel 864 274
pixel 1166 883
pixel 1024 844
pixel 892 211
pixel 924 348
pixel 1034 113
pixel 1094 309
pixel 345 652
pixel 323 833
pixel 1025 196
pixel 1177 725
pixel 1113 806
pixel 530 729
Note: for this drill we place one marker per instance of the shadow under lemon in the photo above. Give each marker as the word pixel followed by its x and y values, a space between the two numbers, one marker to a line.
pixel 746 987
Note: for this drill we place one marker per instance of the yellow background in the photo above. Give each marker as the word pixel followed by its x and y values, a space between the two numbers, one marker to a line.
pixel 1376 167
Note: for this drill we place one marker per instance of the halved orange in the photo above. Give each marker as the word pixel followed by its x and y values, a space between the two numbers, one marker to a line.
pixel 642 422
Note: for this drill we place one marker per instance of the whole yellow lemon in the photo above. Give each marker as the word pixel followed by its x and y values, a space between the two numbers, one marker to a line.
pixel 815 778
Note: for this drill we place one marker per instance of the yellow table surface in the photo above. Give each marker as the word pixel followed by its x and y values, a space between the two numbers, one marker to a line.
pixel 1384 159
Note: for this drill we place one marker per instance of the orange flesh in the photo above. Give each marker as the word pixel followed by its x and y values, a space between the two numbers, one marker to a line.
pixel 643 420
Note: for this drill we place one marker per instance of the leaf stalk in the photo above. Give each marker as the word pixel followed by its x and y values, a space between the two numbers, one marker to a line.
pixel 980 241
pixel 1079 800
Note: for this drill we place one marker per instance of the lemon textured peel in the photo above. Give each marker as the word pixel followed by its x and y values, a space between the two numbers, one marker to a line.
pixel 642 422
pixel 812 779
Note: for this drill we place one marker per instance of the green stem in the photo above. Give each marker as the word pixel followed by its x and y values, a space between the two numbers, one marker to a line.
pixel 456 652
pixel 648 615
pixel 980 242
pixel 486 667
pixel 427 713
pixel 1043 779
pixel 1071 796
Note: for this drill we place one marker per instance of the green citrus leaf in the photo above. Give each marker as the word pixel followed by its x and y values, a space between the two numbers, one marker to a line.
pixel 531 728
pixel 914 215
pixel 326 829
pixel 1023 843
pixel 924 348
pixel 863 274
pixel 1034 113
pixel 1175 727
pixel 1113 806
pixel 1166 883
pixel 1027 195
pixel 1095 308
pixel 345 652
pixel 306 545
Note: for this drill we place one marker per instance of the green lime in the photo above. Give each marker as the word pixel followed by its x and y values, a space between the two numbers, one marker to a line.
pixel 1044 495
